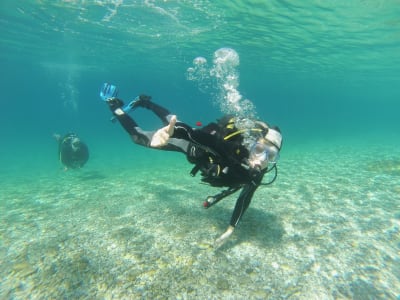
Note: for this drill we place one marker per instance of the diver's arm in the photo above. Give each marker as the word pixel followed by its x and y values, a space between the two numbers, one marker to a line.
pixel 242 203
pixel 57 137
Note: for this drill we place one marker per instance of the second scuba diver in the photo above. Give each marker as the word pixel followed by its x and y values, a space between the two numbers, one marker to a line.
pixel 73 153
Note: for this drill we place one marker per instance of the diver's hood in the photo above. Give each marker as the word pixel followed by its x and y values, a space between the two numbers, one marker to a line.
pixel 274 137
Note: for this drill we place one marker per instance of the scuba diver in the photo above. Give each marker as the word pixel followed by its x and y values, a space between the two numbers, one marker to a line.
pixel 73 153
pixel 225 156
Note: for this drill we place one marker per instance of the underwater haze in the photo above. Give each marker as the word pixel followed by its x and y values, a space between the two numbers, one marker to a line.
pixel 130 224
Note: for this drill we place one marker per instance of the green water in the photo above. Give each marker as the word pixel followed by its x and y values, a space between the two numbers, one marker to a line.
pixel 130 224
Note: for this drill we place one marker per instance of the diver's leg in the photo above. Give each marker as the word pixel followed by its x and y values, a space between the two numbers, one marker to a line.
pixel 137 134
pixel 127 123
pixel 161 112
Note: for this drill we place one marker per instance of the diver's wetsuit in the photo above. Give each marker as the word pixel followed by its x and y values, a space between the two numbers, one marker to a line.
pixel 72 154
pixel 211 154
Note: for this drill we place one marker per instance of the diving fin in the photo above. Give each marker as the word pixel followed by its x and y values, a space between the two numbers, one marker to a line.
pixel 108 91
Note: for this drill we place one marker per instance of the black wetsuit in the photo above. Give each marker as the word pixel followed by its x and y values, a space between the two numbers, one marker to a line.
pixel 73 153
pixel 222 163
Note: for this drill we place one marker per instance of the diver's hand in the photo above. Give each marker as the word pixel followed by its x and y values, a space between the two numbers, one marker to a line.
pixel 57 137
pixel 224 237
pixel 161 137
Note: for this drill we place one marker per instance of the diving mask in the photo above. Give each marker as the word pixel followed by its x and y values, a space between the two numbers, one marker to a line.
pixel 262 153
pixel 75 144
pixel 265 148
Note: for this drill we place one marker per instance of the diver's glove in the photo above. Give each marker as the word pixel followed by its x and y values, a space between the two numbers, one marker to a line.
pixel 114 103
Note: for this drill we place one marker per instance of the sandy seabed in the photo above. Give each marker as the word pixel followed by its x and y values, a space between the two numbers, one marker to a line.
pixel 328 228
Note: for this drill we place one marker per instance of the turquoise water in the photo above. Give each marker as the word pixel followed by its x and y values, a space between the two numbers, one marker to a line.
pixel 130 224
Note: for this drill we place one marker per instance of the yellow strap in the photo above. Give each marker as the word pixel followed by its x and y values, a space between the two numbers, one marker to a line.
pixel 239 132
pixel 233 134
